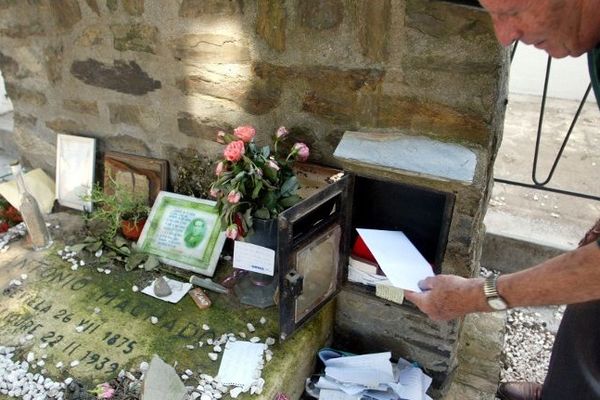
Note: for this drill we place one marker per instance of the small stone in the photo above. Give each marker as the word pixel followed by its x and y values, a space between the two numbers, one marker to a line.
pixel 154 320
pixel 255 339
pixel 205 327
pixel 107 271
pixel 96 310
pixel 101 270
pixel 217 349
pixel 43 345
pixel 213 356
pixel 189 346
pixel 235 392
pixel 68 381
pixel 161 287
pixel 30 357
pixel 74 363
pixel 189 372
pixel 270 341
pixel 79 329
pixel 23 276
pixel 262 320
pixel 74 267
pixel 59 365
pixel 134 288
pixel 242 335
pixel 144 367
pixel 98 253
pixel 185 377
pixel 250 327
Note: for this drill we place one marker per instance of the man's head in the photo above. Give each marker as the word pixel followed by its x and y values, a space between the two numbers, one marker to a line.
pixel 560 27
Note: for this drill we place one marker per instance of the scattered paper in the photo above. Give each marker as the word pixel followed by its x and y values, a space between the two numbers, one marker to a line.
pixel 369 370
pixel 399 259
pixel 179 289
pixel 371 377
pixel 240 365
pixel 250 257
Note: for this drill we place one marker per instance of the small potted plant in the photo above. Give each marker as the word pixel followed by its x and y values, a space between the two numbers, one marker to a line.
pixel 122 209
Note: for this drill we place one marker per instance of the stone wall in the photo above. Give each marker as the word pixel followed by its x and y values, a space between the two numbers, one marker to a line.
pixel 159 78
pixel 154 77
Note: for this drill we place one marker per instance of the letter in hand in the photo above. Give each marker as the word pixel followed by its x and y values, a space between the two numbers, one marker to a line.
pixel 446 297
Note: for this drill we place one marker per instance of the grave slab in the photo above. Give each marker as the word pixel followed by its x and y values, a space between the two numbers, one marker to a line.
pixel 98 320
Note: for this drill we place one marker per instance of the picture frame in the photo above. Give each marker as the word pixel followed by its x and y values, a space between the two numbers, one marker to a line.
pixel 184 232
pixel 154 170
pixel 75 165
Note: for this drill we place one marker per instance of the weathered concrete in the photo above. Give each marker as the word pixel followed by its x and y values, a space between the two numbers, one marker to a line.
pixel 53 300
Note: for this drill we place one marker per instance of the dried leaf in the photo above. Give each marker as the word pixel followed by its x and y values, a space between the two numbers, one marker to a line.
pixel 78 247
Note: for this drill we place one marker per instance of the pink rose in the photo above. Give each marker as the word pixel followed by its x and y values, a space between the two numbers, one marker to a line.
pixel 281 132
pixel 106 391
pixel 234 151
pixel 245 132
pixel 221 137
pixel 214 192
pixel 234 197
pixel 232 231
pixel 220 169
pixel 301 150
pixel 273 164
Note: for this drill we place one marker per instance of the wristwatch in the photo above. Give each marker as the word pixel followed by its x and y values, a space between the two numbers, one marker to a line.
pixel 494 300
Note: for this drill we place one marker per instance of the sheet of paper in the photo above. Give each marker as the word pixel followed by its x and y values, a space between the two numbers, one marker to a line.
pixel 398 257
pixel 370 370
pixel 240 363
pixel 178 289
pixel 358 276
pixel 38 183
pixel 412 384
pixel 348 388
pixel 250 257
pixel 330 394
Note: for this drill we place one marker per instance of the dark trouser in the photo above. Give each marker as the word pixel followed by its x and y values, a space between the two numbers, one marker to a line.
pixel 574 371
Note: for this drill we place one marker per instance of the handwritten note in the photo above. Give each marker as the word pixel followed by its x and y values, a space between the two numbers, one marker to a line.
pixel 250 257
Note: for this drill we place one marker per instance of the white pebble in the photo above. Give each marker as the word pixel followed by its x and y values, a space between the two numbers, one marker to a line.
pixel 135 288
pixel 213 356
pixel 79 329
pixel 154 320
pixel 74 363
pixel 270 341
pixel 23 276
pixel 250 327
pixel 205 327
pixel 263 320
pixel 98 253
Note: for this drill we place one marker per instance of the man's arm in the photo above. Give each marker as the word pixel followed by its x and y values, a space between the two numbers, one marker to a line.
pixel 573 277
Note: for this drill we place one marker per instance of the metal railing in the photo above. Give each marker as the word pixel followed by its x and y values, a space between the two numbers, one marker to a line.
pixel 541 184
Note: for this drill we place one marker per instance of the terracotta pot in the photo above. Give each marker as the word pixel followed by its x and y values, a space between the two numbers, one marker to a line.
pixel 132 229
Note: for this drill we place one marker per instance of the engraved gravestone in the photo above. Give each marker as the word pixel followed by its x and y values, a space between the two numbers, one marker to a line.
pixel 92 324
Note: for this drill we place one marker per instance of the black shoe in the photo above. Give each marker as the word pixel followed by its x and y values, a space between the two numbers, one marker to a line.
pixel 520 391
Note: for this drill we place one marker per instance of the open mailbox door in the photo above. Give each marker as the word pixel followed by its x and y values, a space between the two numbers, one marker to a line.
pixel 313 246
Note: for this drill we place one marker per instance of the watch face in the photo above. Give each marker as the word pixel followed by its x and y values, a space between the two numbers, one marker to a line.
pixel 497 303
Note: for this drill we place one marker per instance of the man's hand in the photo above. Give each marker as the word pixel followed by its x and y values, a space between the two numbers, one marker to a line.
pixel 447 297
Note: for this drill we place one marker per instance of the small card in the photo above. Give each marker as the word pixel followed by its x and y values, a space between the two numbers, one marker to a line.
pixel 179 289
pixel 251 257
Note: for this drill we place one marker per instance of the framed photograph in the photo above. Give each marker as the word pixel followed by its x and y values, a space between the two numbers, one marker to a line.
pixel 184 232
pixel 75 162
pixel 144 175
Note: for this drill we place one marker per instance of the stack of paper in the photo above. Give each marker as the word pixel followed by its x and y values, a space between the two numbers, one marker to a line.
pixel 372 376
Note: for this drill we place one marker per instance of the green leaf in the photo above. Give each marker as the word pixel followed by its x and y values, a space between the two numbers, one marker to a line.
pixel 289 186
pixel 270 173
pixel 289 201
pixel 262 213
pixel 95 246
pixel 257 189
pixel 270 200
pixel 265 151
pixel 134 260
pixel 78 247
pixel 120 242
pixel 151 263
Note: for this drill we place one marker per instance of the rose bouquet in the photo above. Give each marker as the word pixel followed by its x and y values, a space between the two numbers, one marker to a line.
pixel 254 181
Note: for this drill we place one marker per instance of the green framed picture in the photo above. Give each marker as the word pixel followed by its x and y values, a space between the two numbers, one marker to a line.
pixel 184 232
